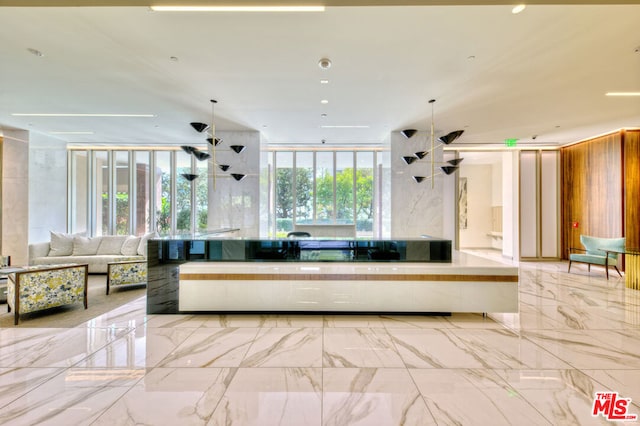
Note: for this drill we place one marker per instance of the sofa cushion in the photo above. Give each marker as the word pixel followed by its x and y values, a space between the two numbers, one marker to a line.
pixel 111 244
pixel 97 263
pixel 130 246
pixel 61 244
pixel 142 247
pixel 84 246
pixel 592 258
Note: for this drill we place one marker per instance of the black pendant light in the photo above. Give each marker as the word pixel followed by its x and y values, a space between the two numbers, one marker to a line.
pixel 408 133
pixel 450 137
pixel 199 127
pixel 455 161
pixel 421 154
pixel 224 167
pixel 218 141
pixel 201 155
pixel 419 178
pixel 190 177
pixel 448 169
pixel 189 149
pixel 409 159
pixel 238 176
pixel 237 148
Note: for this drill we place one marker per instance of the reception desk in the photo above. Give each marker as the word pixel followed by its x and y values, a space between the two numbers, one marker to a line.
pixel 237 275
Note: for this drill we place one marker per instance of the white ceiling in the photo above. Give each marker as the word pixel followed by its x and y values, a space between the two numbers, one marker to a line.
pixel 543 72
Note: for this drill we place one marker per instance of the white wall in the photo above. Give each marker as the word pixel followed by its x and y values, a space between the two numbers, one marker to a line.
pixel 416 208
pixel 47 186
pixel 510 197
pixel 479 200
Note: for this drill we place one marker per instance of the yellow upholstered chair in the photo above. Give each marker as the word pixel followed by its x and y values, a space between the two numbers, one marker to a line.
pixel 42 287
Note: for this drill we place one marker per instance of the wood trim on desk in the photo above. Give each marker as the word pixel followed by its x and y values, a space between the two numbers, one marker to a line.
pixel 346 277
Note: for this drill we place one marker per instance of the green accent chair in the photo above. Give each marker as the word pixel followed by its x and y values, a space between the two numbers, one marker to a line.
pixel 598 251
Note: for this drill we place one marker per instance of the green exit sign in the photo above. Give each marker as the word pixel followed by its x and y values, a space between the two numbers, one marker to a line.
pixel 511 142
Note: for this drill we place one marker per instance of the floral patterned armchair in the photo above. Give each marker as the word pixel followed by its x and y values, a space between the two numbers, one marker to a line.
pixel 126 273
pixel 37 288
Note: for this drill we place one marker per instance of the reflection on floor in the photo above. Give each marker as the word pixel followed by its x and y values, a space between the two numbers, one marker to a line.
pixel 576 334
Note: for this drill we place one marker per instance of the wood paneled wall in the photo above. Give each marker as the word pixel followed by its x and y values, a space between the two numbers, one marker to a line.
pixel 592 190
pixel 631 143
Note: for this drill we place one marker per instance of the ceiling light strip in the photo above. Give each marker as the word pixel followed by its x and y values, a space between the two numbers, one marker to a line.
pixel 71 133
pixel 344 127
pixel 622 94
pixel 20 114
pixel 238 8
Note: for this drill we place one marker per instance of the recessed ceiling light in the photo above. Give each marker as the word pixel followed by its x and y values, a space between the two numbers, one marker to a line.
pixel 623 94
pixel 173 59
pixel 323 115
pixel 519 8
pixel 324 63
pixel 21 114
pixel 238 8
pixel 324 101
pixel 71 133
pixel 324 81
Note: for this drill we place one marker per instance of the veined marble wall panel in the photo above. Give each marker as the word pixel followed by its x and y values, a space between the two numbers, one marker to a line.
pixel 234 204
pixel 47 186
pixel 416 208
pixel 264 188
pixel 15 195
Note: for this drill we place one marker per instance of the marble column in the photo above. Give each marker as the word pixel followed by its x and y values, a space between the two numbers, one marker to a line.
pixel 416 208
pixel 236 204
pixel 15 196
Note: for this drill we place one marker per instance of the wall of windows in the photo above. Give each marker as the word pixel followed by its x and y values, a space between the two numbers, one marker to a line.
pixel 324 188
pixel 121 192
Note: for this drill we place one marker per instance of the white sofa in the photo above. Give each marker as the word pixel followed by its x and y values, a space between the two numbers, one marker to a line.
pixel 97 252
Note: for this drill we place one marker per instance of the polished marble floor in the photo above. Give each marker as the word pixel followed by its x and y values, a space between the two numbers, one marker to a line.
pixel 576 334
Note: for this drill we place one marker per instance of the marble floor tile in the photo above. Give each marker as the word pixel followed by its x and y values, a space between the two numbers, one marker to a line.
pixel 359 347
pixel 564 397
pixel 176 321
pixel 372 396
pixel 129 315
pixel 263 321
pixel 16 382
pixel 493 348
pixel 62 401
pixel 141 348
pixel 577 318
pixel 414 321
pixel 171 396
pixel 353 321
pixel 285 347
pixel 625 382
pixel 474 397
pixel 271 396
pixel 594 349
pixel 575 334
pixel 53 347
pixel 212 347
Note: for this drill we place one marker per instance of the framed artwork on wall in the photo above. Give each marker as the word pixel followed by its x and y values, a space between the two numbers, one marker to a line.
pixel 462 203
